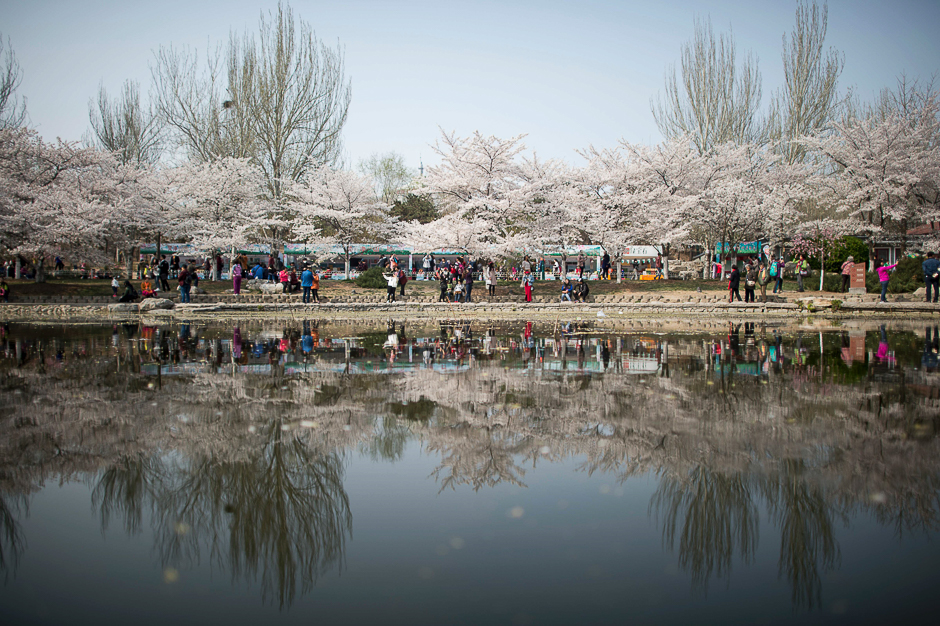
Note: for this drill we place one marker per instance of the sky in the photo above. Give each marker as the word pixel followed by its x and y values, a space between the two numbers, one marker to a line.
pixel 566 74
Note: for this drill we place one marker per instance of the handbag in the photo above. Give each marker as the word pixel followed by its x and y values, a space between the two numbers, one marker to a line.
pixel 750 284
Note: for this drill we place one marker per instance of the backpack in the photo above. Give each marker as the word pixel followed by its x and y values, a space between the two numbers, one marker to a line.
pixel 763 277
pixel 773 269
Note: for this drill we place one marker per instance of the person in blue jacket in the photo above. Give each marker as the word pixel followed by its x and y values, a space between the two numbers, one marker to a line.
pixel 306 282
pixel 931 267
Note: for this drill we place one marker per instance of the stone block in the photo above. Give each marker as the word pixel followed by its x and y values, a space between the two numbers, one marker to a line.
pixel 123 307
pixel 152 304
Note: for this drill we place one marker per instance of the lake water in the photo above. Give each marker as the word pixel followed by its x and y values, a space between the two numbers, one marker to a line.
pixel 309 472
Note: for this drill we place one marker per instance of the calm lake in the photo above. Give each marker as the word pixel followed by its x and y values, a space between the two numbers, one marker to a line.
pixel 314 472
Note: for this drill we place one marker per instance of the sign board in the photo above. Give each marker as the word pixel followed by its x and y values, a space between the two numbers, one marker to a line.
pixel 857 280
pixel 752 247
pixel 640 252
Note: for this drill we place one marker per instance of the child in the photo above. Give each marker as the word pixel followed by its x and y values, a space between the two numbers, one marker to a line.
pixel 146 289
pixel 115 285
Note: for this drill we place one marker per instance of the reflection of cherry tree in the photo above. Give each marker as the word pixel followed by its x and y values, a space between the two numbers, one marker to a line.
pixel 480 459
pixel 199 448
pixel 278 515
pixel 804 513
pixel 714 518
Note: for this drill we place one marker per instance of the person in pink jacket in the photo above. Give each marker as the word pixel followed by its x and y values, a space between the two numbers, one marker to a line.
pixel 884 275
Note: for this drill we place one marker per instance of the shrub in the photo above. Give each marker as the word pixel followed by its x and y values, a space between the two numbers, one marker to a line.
pixel 836 305
pixel 831 282
pixel 842 249
pixel 906 277
pixel 372 279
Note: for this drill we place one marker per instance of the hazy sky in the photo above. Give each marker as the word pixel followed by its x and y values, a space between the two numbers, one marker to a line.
pixel 568 74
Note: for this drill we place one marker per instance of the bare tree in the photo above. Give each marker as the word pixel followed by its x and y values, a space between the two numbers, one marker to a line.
pixel 713 99
pixel 284 103
pixel 390 174
pixel 12 108
pixel 124 127
pixel 807 102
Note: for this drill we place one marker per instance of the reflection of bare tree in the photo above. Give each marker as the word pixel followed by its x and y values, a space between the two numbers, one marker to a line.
pixel 479 458
pixel 126 488
pixel 279 516
pixel 804 513
pixel 11 539
pixel 201 446
pixel 713 516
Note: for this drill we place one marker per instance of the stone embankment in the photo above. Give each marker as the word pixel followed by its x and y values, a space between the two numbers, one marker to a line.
pixel 612 307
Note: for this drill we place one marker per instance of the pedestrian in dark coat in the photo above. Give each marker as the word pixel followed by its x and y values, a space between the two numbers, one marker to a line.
pixel 734 283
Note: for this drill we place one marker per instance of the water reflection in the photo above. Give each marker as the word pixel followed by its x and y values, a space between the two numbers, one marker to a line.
pixel 229 443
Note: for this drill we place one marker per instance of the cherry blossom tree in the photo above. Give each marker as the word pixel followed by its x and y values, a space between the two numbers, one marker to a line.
pixel 817 239
pixel 218 204
pixel 552 215
pixel 887 167
pixel 479 186
pixel 56 198
pixel 339 207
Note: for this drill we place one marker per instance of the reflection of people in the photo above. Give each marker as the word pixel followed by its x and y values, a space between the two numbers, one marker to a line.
pixel 931 350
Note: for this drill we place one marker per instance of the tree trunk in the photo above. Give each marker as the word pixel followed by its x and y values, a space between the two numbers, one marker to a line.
pixel 822 268
pixel 619 271
pixel 129 257
pixel 17 268
pixel 40 270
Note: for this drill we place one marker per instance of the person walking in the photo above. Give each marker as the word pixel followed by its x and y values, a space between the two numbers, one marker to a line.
pixel 164 273
pixel 931 267
pixel 605 266
pixel 884 276
pixel 581 263
pixel 802 270
pixel 847 268
pixel 4 291
pixel 237 278
pixel 115 285
pixel 734 284
pixel 750 282
pixel 306 283
pixel 527 281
